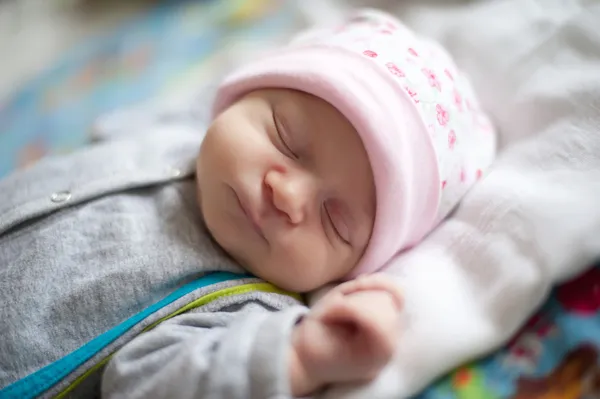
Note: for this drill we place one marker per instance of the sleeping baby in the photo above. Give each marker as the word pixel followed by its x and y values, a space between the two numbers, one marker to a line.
pixel 140 267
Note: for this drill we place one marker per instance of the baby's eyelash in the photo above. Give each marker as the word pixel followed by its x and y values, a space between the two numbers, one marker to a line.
pixel 333 226
pixel 279 128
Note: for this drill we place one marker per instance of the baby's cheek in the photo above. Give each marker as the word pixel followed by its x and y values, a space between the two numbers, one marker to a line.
pixel 300 265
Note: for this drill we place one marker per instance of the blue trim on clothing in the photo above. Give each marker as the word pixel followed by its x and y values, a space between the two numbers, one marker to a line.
pixel 40 381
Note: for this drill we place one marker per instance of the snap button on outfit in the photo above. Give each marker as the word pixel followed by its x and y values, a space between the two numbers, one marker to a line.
pixel 175 172
pixel 60 196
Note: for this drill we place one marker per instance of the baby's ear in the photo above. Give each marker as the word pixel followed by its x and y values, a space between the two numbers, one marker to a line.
pixel 316 295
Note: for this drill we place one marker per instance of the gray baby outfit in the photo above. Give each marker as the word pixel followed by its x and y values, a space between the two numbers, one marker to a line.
pixel 103 244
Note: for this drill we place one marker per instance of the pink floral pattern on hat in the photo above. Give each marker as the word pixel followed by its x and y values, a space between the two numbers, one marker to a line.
pixel 463 135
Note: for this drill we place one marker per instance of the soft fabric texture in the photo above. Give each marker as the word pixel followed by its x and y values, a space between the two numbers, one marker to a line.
pixel 90 239
pixel 425 134
pixel 534 220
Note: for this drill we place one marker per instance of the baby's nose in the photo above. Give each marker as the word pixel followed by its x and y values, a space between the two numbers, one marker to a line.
pixel 290 194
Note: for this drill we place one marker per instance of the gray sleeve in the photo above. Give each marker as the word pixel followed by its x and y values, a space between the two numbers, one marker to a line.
pixel 207 355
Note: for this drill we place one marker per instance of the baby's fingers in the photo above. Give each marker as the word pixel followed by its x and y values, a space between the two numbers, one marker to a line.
pixel 369 314
pixel 372 282
pixel 369 325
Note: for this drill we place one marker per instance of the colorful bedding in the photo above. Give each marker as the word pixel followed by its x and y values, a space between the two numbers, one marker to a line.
pixel 157 52
pixel 556 355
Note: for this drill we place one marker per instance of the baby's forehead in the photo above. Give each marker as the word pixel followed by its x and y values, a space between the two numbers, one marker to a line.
pixel 307 110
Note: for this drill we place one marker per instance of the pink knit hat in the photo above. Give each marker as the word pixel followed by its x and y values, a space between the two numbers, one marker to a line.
pixel 418 118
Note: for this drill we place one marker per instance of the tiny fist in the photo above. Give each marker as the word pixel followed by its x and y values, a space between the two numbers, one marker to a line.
pixel 352 332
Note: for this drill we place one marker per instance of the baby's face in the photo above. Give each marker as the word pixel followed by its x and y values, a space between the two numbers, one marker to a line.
pixel 286 188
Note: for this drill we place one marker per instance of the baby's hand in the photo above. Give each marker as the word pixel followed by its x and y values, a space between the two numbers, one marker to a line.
pixel 349 335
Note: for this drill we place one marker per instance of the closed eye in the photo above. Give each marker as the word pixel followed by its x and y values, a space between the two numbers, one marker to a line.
pixel 282 133
pixel 339 227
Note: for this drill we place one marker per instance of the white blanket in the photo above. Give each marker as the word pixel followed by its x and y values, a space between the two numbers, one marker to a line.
pixel 535 219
